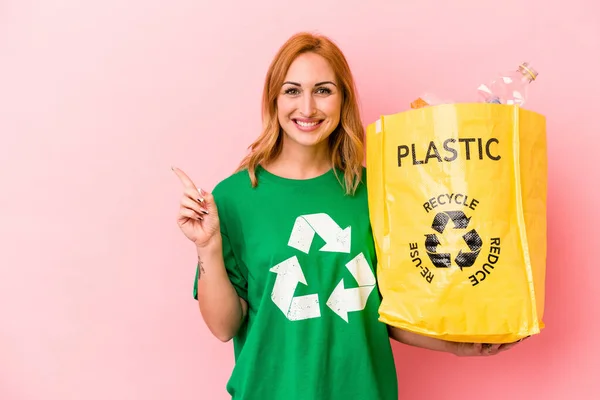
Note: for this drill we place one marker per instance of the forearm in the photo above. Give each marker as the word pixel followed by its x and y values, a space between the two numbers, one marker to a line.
pixel 425 342
pixel 220 305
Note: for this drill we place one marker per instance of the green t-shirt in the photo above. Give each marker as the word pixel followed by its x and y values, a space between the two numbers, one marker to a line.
pixel 301 253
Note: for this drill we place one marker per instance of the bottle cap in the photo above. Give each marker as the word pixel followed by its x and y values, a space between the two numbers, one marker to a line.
pixel 527 69
pixel 418 103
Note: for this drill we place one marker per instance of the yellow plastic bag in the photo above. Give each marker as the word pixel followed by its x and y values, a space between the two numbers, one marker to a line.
pixel 457 201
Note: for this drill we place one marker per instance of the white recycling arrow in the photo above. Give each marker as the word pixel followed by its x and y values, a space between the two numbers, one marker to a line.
pixel 336 239
pixel 342 300
pixel 289 274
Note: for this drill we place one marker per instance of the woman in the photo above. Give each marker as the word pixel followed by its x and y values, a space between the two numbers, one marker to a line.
pixel 285 252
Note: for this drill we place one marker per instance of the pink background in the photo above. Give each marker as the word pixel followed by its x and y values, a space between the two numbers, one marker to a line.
pixel 99 99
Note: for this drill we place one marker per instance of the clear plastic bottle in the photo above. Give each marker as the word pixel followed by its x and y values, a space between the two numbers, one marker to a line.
pixel 509 88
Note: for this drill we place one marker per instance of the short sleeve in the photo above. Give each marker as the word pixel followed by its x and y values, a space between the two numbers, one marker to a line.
pixel 237 278
pixel 225 193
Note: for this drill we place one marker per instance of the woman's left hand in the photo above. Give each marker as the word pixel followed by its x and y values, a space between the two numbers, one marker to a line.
pixel 479 349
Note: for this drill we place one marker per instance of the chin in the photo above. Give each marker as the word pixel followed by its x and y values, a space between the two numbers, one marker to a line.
pixel 307 142
pixel 307 139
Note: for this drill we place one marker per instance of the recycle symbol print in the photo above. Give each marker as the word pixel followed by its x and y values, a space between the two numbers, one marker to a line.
pixel 471 238
pixel 289 272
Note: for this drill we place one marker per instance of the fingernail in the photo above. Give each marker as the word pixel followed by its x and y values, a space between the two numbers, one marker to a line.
pixel 204 211
pixel 200 201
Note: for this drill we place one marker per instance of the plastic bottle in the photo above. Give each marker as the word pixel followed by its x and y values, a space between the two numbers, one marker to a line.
pixel 509 88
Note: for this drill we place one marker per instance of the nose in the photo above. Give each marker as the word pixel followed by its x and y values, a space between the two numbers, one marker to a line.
pixel 308 106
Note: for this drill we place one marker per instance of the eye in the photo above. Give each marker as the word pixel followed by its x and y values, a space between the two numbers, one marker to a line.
pixel 323 90
pixel 291 91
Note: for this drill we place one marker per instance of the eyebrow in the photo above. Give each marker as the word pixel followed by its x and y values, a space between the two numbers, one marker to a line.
pixel 316 84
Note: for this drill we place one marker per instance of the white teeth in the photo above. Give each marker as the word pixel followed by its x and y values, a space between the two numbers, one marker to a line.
pixel 306 124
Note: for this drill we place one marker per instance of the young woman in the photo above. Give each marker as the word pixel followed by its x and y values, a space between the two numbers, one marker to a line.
pixel 286 261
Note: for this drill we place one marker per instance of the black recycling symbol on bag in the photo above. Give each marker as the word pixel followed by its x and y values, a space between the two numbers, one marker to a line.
pixel 472 239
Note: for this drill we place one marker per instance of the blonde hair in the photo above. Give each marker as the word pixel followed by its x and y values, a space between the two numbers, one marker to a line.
pixel 346 142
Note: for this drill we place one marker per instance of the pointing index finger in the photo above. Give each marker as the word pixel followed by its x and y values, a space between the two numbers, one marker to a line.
pixel 185 180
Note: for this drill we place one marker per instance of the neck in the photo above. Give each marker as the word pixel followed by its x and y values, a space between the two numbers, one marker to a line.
pixel 301 162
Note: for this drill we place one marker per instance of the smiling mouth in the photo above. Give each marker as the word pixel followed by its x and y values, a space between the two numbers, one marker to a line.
pixel 307 124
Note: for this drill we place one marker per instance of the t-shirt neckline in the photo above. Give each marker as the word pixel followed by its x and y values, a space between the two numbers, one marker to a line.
pixel 262 172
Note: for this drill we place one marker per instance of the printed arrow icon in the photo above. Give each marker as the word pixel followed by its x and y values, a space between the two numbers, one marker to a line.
pixel 440 260
pixel 342 300
pixel 289 274
pixel 459 218
pixel 467 259
pixel 336 239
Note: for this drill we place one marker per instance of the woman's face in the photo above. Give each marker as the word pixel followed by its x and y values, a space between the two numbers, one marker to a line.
pixel 310 101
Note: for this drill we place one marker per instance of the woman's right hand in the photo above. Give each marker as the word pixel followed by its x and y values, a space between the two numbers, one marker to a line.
pixel 198 217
